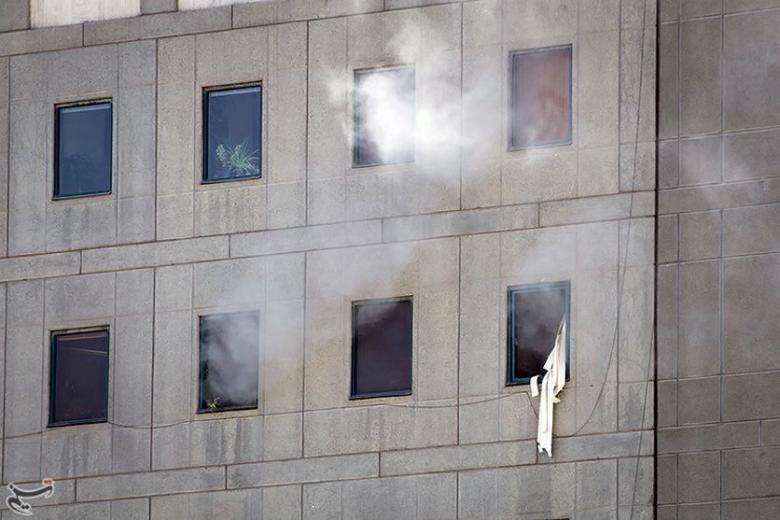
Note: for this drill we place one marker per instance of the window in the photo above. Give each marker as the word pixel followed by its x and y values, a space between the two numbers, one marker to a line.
pixel 541 97
pixel 382 348
pixel 229 359
pixel 82 158
pixel 231 133
pixel 384 121
pixel 534 313
pixel 78 378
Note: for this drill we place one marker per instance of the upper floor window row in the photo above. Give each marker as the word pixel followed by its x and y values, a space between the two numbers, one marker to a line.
pixel 383 126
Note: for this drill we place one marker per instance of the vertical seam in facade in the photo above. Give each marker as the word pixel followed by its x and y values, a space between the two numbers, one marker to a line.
pixel 267 107
pixel 151 379
pixel 112 370
pixel 633 175
pixel 156 126
pixel 460 136
pixel 115 152
pixel 8 169
pixel 45 408
pixel 195 353
pixel 306 139
pixel 195 159
pixel 504 77
pixel 460 328
pixel 619 189
pixel 656 291
pixel 303 354
pixel 5 376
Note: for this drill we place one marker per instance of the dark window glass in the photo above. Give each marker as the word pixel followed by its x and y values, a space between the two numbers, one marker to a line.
pixel 384 121
pixel 231 138
pixel 79 378
pixel 83 150
pixel 382 348
pixel 534 315
pixel 541 97
pixel 229 354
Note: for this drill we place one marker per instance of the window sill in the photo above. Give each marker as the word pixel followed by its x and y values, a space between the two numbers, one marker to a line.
pixel 78 422
pixel 70 198
pixel 211 182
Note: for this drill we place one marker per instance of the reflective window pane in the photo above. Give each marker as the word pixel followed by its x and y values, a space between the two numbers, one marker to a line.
pixel 83 150
pixel 384 121
pixel 231 139
pixel 229 357
pixel 541 97
pixel 382 348
pixel 79 378
pixel 535 313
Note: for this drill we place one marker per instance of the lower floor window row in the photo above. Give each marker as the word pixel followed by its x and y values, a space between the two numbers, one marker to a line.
pixel 229 354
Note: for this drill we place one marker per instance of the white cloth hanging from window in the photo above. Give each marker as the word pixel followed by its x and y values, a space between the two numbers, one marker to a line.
pixel 552 384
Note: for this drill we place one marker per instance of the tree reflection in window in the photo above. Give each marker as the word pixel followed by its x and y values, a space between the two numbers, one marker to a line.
pixel 232 134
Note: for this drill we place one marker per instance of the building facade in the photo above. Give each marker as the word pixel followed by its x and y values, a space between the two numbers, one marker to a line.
pixel 718 271
pixel 460 227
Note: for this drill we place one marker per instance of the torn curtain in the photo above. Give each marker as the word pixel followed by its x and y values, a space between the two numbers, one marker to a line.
pixel 552 383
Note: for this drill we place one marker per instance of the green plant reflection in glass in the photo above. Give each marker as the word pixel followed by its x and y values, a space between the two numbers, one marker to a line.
pixel 239 160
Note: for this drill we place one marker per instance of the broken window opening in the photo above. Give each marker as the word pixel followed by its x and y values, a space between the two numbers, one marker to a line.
pixel 384 116
pixel 229 362
pixel 381 348
pixel 534 315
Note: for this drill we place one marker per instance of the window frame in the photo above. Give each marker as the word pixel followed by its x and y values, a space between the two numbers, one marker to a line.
pixel 61 106
pixel 511 380
pixel 52 423
pixel 201 365
pixel 353 394
pixel 355 119
pixel 205 131
pixel 513 95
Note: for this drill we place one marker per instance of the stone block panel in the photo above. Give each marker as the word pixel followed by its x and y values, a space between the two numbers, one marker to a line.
pixel 305 238
pixel 732 195
pixel 457 458
pixel 750 48
pixel 300 471
pixel 752 396
pixel 709 437
pixel 751 230
pixel 751 473
pixel 150 484
pixel 157 26
pixel 155 254
pixel 750 302
pixel 459 223
pixel 40 40
pixel 40 266
pixel 699 477
pixel 700 76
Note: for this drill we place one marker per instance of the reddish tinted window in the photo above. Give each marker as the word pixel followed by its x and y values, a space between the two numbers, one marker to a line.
pixel 382 348
pixel 79 378
pixel 535 313
pixel 229 361
pixel 541 97
pixel 384 121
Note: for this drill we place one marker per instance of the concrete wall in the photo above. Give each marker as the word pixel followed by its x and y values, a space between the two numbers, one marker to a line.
pixel 454 230
pixel 719 269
